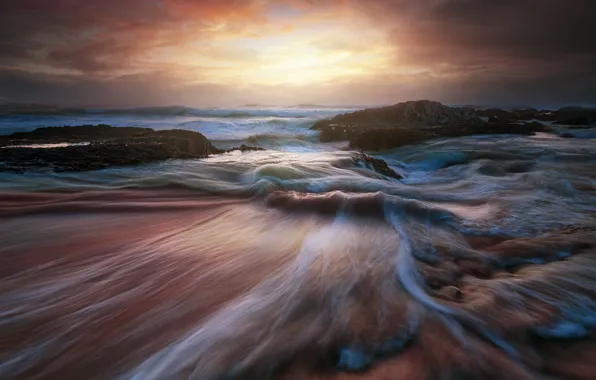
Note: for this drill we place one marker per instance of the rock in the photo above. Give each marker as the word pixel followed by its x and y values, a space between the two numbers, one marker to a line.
pixel 186 142
pixel 377 165
pixel 386 138
pixel 576 120
pixel 413 114
pixel 567 135
pixel 182 143
pixel 74 134
pixel 242 148
pixel 81 158
pixel 491 129
pixel 565 115
pixel 494 114
pixel 413 122
pixel 105 147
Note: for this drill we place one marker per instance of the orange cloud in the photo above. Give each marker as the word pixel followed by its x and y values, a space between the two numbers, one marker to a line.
pixel 327 47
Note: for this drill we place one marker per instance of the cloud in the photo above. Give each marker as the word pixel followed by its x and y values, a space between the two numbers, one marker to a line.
pixel 298 51
pixel 96 36
pixel 489 33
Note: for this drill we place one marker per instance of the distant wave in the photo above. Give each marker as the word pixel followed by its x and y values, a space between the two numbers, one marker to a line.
pixel 199 112
pixel 175 111
pixel 275 136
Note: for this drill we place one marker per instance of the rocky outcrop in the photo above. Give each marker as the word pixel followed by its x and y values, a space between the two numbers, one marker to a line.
pixel 81 158
pixel 387 138
pixel 413 114
pixel 516 114
pixel 413 122
pixel 575 120
pixel 105 146
pixel 562 116
pixel 74 134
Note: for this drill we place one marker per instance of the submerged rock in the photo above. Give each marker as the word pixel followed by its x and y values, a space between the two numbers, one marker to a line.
pixel 377 165
pixel 241 148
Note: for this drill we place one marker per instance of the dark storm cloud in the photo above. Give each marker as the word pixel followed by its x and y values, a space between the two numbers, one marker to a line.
pixel 95 36
pixel 493 33
pixel 70 34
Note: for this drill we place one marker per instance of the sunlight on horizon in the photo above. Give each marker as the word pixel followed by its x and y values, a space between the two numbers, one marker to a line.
pixel 300 53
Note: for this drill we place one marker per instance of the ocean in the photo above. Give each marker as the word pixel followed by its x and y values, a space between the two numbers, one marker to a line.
pixel 298 262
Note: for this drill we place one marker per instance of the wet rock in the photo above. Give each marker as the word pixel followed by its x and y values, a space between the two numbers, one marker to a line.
pixel 106 147
pixel 494 114
pixel 412 114
pixel 413 122
pixel 89 157
pixel 576 120
pixel 575 116
pixel 377 165
pixel 242 148
pixel 74 134
pixel 375 139
pixel 386 138
pixel 341 132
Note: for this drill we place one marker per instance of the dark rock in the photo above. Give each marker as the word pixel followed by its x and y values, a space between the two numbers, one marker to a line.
pixel 575 116
pixel 387 138
pixel 527 114
pixel 242 148
pixel 413 122
pixel 576 120
pixel 524 114
pixel 105 147
pixel 75 134
pixel 567 135
pixel 491 129
pixel 413 114
pixel 81 158
pixel 338 132
pixel 181 142
pixel 494 114
pixel 377 165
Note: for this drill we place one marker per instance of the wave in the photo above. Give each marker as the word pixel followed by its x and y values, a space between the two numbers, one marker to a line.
pixel 309 291
pixel 479 264
pixel 170 111
pixel 281 137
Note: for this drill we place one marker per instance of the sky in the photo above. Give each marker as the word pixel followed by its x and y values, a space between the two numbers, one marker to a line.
pixel 333 52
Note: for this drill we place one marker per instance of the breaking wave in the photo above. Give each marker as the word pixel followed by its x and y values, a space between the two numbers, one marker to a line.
pixel 478 264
